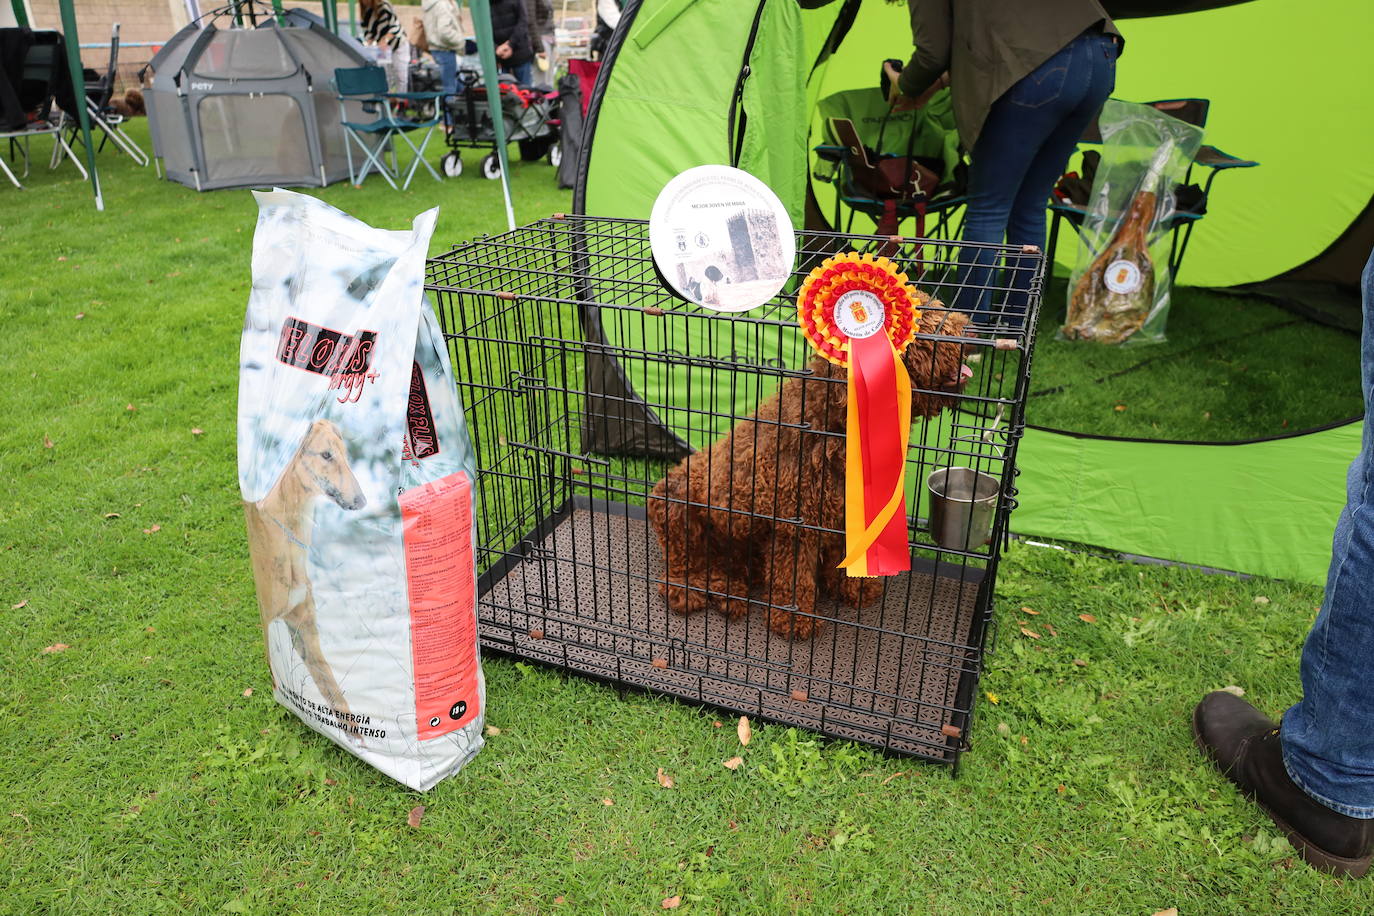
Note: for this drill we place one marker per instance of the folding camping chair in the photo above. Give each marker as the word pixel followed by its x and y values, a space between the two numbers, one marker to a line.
pixel 99 89
pixel 366 86
pixel 892 169
pixel 1187 213
pixel 40 78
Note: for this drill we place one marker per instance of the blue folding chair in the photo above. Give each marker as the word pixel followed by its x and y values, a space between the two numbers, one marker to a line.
pixel 367 85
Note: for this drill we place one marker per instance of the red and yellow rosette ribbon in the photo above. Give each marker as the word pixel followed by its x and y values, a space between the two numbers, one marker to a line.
pixel 859 312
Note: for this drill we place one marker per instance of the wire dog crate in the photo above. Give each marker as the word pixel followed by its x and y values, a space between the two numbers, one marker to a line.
pixel 615 542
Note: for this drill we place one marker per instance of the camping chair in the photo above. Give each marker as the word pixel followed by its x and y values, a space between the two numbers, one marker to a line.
pixel 1187 212
pixel 889 166
pixel 44 63
pixel 367 86
pixel 99 88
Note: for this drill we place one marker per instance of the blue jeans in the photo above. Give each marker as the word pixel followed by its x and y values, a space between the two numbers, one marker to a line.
pixel 448 70
pixel 523 73
pixel 1022 150
pixel 1328 736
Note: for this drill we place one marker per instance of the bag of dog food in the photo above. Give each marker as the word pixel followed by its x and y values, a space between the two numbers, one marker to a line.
pixel 357 476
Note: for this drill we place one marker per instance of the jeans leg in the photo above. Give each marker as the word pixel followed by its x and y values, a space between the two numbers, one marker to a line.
pixel 448 70
pixel 1026 223
pixel 1328 736
pixel 1017 127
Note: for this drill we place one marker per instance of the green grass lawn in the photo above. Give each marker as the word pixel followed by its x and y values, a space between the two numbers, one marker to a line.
pixel 145 768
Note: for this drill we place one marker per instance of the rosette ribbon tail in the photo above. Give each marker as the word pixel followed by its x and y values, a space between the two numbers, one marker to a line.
pixel 879 418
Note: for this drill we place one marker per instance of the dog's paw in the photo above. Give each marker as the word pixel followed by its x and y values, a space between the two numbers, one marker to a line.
pixel 858 592
pixel 793 626
pixel 682 600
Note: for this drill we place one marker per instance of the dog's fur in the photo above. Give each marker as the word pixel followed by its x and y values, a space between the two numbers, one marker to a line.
pixel 762 511
pixel 279 534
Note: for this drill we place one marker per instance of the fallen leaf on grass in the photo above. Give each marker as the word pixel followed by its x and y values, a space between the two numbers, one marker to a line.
pixel 79 315
pixel 330 781
pixel 1032 612
pixel 129 407
pixel 112 515
pixel 1026 631
pixel 491 731
pixel 607 802
pixel 150 629
pixel 152 530
pixel 560 900
pixel 15 607
pixel 248 691
pixel 196 430
pixel 717 724
pixel 1171 911
pixel 744 731
pixel 47 443
pixel 733 763
pixel 1119 408
pixel 1260 599
pixel 893 776
pixel 1049 628
pixel 20 814
pixel 1003 729
pixel 664 779
pixel 1087 618
pixel 1081 662
pixel 413 819
pixel 1233 689
pixel 671 903
pixel 56 647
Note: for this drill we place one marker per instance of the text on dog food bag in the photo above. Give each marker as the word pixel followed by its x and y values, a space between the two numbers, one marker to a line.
pixel 443 624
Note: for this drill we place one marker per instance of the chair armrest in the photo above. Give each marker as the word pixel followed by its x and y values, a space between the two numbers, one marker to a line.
pixel 365 99
pixel 1214 158
pixel 414 95
pixel 830 153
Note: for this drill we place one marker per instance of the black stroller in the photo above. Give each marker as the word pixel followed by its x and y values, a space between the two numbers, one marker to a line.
pixel 531 117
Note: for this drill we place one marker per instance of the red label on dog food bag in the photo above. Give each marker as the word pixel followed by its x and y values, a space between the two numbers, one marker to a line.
pixel 443 624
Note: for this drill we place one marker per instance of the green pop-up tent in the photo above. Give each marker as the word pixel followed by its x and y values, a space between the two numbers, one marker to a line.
pixel 73 43
pixel 690 82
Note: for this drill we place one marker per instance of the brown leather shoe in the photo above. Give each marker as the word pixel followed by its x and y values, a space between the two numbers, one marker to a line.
pixel 1244 744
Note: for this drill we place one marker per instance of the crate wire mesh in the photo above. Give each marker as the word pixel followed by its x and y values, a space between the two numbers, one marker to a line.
pixel 584 381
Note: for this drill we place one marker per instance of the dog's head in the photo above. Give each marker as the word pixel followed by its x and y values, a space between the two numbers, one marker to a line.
pixel 937 367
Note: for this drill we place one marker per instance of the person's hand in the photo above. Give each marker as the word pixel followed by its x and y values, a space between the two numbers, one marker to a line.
pixel 907 103
pixel 503 50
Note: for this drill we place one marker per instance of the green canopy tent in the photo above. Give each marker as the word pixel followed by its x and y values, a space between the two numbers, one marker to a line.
pixel 73 44
pixel 689 82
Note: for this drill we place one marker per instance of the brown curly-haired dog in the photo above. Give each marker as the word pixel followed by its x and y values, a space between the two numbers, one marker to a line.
pixel 761 513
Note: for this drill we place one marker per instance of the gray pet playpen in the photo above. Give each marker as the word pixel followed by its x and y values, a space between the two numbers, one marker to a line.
pixel 236 107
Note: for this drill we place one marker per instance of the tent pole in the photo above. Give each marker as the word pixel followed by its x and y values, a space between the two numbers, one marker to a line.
pixel 481 25
pixel 353 18
pixel 21 15
pixel 278 12
pixel 331 15
pixel 73 43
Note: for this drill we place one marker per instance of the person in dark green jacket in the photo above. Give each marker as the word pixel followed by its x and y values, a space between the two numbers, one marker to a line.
pixel 1027 77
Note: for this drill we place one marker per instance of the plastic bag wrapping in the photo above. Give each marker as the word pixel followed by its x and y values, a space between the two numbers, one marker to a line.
pixel 1119 289
pixel 357 476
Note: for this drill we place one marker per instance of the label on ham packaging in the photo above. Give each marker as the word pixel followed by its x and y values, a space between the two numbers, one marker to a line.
pixel 443 624
pixel 1122 276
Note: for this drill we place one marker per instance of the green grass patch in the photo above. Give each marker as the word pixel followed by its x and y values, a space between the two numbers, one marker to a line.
pixel 139 776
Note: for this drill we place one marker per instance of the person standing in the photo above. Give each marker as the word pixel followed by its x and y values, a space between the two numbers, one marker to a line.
pixel 1314 773
pixel 444 33
pixel 539 14
pixel 510 33
pixel 1027 77
pixel 382 29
